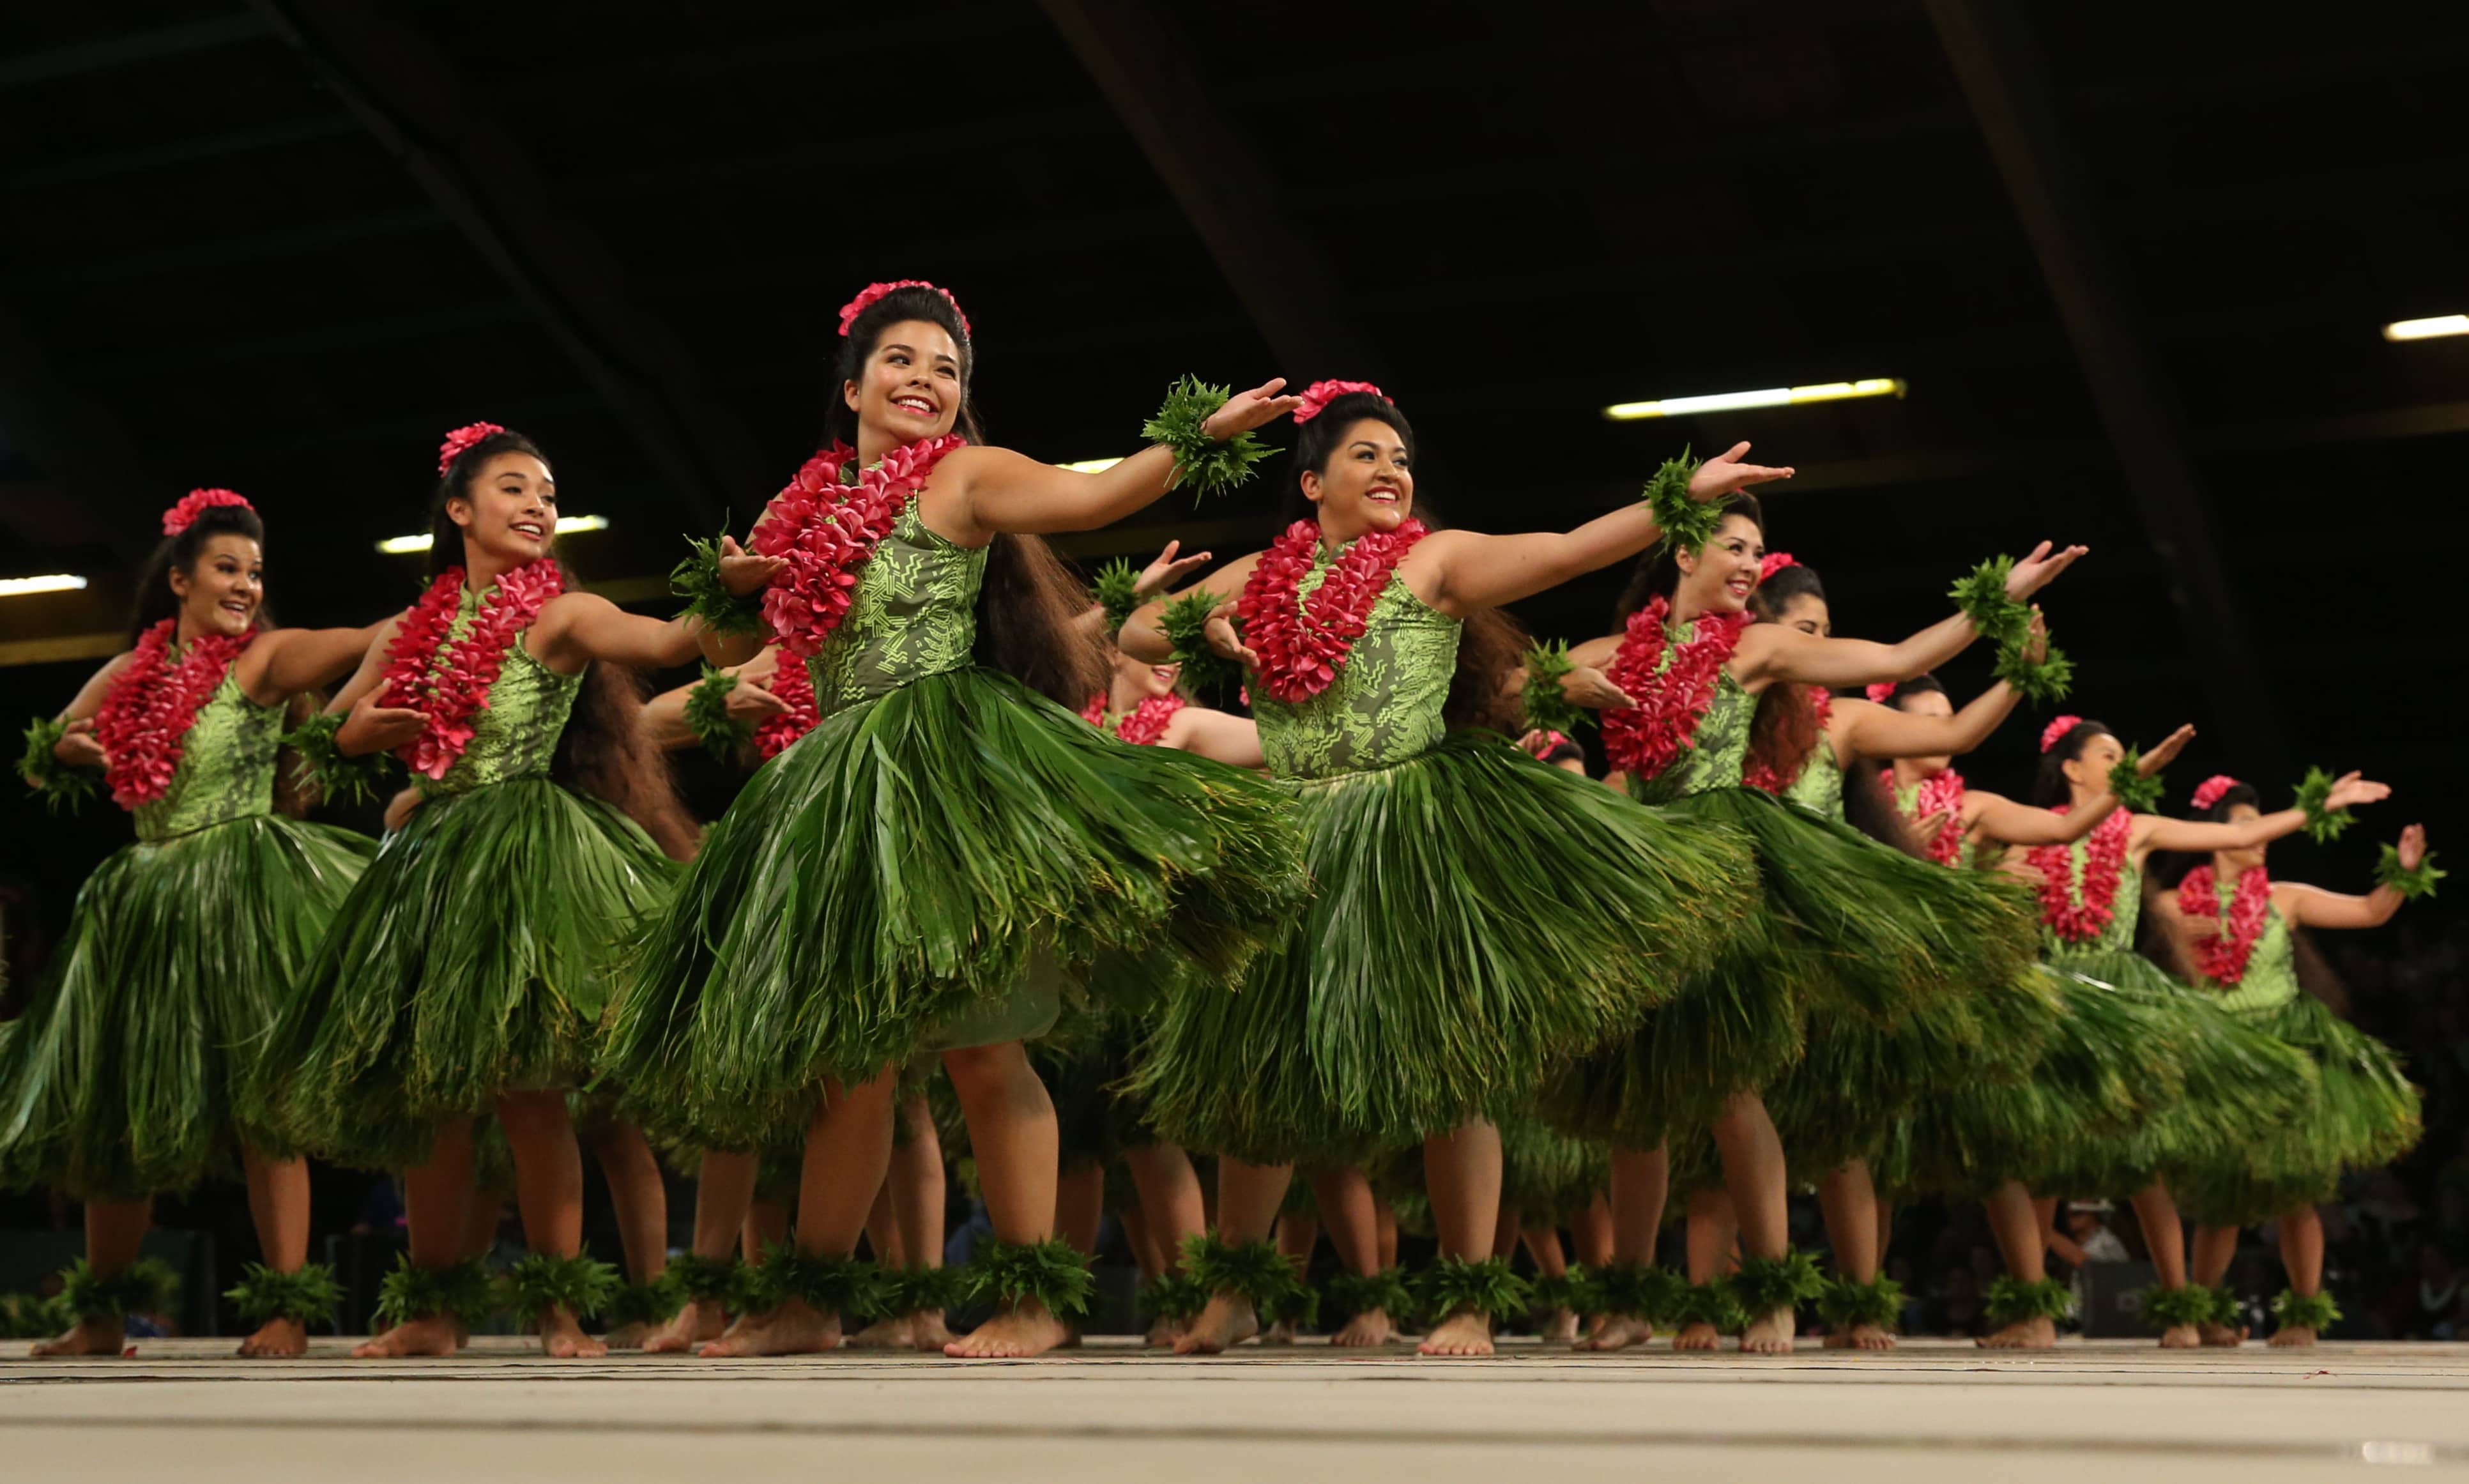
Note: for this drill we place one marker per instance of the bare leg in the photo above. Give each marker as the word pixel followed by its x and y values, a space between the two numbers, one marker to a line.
pixel 1011 1125
pixel 2301 1253
pixel 1591 1232
pixel 1504 1228
pixel 548 1190
pixel 882 1235
pixel 2019 1229
pixel 1641 1186
pixel 2165 1236
pixel 2215 1247
pixel 1385 1218
pixel 642 1204
pixel 1169 1211
pixel 1850 1204
pixel 437 1208
pixel 114 1231
pixel 1081 1204
pixel 278 1203
pixel 1247 1198
pixel 1709 1246
pixel 1754 1173
pixel 724 1190
pixel 1543 1244
pixel 849 1148
pixel 917 1193
pixel 1296 1237
pixel 1463 1169
pixel 765 1226
pixel 1353 1216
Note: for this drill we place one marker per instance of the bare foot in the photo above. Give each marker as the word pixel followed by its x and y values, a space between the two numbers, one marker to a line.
pixel 1859 1337
pixel 1371 1327
pixel 562 1339
pixel 2291 1335
pixel 1282 1333
pixel 885 1334
pixel 627 1337
pixel 1228 1320
pixel 1769 1334
pixel 702 1320
pixel 1162 1334
pixel 2036 1334
pixel 1562 1328
pixel 2181 1336
pixel 1618 1332
pixel 2220 1336
pixel 927 1329
pixel 90 1337
pixel 431 1335
pixel 796 1328
pixel 1462 1334
pixel 1027 1330
pixel 277 1338
pixel 1697 1334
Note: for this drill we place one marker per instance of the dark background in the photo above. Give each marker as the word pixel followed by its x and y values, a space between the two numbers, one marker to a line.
pixel 2132 259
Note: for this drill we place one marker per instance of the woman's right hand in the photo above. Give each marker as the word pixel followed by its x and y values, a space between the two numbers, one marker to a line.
pixel 1222 637
pixel 373 727
pixel 79 747
pixel 399 809
pixel 1587 686
pixel 2349 789
pixel 1246 410
pixel 2039 570
pixel 2167 751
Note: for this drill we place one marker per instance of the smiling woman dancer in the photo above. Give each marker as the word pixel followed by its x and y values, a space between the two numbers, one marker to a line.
pixel 925 868
pixel 1479 915
pixel 466 970
pixel 120 1080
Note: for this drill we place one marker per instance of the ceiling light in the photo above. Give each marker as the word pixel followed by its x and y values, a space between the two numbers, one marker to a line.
pixel 567 525
pixel 1772 397
pixel 1090 465
pixel 2426 329
pixel 56 582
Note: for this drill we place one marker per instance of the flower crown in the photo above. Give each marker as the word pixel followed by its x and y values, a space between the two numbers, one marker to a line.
pixel 2056 731
pixel 873 291
pixel 1319 394
pixel 460 439
pixel 1882 691
pixel 197 502
pixel 2209 792
pixel 1775 562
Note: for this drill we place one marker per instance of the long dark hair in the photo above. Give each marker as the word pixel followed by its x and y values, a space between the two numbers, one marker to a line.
pixel 604 750
pixel 155 599
pixel 1656 574
pixel 2050 785
pixel 1917 685
pixel 1784 730
pixel 1028 600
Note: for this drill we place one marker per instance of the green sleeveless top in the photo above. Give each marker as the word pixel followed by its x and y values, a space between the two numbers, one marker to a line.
pixel 1720 750
pixel 2126 907
pixel 226 768
pixel 2271 979
pixel 515 735
pixel 1819 787
pixel 913 615
pixel 1384 708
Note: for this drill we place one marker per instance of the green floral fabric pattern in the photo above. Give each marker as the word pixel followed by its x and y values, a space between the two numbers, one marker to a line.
pixel 2128 905
pixel 515 735
pixel 1720 752
pixel 1385 705
pixel 1820 785
pixel 913 615
pixel 226 767
pixel 2271 979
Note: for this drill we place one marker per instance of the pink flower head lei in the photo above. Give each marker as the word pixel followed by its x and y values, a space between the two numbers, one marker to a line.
pixel 2211 790
pixel 1775 562
pixel 460 439
pixel 2056 731
pixel 197 502
pixel 1880 691
pixel 874 291
pixel 1319 394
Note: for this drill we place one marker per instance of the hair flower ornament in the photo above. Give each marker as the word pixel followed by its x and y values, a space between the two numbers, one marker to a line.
pixel 197 502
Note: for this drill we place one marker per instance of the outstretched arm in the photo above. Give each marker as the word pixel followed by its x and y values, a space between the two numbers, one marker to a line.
pixel 2159 832
pixel 298 659
pixel 1231 740
pixel 1143 639
pixel 1771 652
pixel 2002 818
pixel 577 628
pixel 1011 492
pixel 1881 731
pixel 2314 907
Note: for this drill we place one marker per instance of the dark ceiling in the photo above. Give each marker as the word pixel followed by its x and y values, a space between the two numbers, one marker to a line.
pixel 2131 260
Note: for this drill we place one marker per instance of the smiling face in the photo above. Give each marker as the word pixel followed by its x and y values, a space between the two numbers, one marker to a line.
pixel 1808 613
pixel 1928 703
pixel 910 386
pixel 220 592
pixel 2251 858
pixel 1368 484
pixel 1721 577
pixel 1137 681
pixel 2088 771
pixel 508 510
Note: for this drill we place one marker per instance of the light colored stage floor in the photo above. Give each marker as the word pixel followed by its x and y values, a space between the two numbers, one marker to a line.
pixel 1932 1410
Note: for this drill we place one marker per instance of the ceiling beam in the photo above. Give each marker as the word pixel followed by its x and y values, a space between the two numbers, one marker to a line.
pixel 187 150
pixel 407 92
pixel 1998 65
pixel 109 53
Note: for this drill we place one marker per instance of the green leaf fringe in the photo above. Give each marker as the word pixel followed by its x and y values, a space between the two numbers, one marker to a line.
pixel 925 1290
pixel 1764 1285
pixel 309 1295
pixel 1846 1305
pixel 2135 793
pixel 1385 1291
pixel 1207 465
pixel 337 779
pixel 848 1286
pixel 43 770
pixel 707 714
pixel 1185 623
pixel 1117 592
pixel 1053 1272
pixel 26 1317
pixel 699 1279
pixel 1687 524
pixel 543 1283
pixel 1488 1288
pixel 657 1301
pixel 1570 1289
pixel 1175 1297
pixel 1297 1304
pixel 696 580
pixel 1545 705
pixel 2295 1310
pixel 1981 596
pixel 2012 1301
pixel 2041 682
pixel 1712 1304
pixel 1255 1271
pixel 2165 1308
pixel 145 1287
pixel 2314 795
pixel 462 1291
pixel 2410 884
pixel 1641 1290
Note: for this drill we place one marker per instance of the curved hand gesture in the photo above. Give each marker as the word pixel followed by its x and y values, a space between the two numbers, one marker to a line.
pixel 1246 410
pixel 1725 474
pixel 1162 574
pixel 1223 638
pixel 1587 686
pixel 373 727
pixel 741 572
pixel 752 703
pixel 2167 751
pixel 2039 570
pixel 2036 638
pixel 399 809
pixel 2412 847
pixel 79 747
pixel 2350 790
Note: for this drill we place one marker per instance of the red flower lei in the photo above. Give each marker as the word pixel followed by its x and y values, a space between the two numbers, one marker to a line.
pixel 2223 957
pixel 828 531
pixel 2104 867
pixel 1761 774
pixel 794 684
pixel 1942 795
pixel 1142 725
pixel 451 687
pixel 147 713
pixel 1647 739
pixel 1301 643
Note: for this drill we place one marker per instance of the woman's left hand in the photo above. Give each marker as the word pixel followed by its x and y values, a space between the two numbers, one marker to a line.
pixel 1725 474
pixel 1246 410
pixel 2167 751
pixel 741 572
pixel 2040 569
pixel 399 809
pixel 2412 847
pixel 1166 570
pixel 2352 789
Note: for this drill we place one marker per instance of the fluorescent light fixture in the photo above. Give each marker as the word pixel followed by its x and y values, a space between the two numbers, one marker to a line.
pixel 56 582
pixel 2426 329
pixel 1090 465
pixel 567 525
pixel 1772 397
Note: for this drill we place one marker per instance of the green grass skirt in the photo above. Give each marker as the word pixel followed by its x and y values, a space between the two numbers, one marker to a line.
pixel 2365 1117
pixel 909 862
pixel 1846 927
pixel 1548 1175
pixel 124 1075
pixel 473 959
pixel 1479 918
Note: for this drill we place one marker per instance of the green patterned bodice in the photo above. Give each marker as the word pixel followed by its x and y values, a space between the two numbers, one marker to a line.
pixel 2271 979
pixel 515 735
pixel 1720 750
pixel 226 766
pixel 1385 705
pixel 2127 907
pixel 913 615
pixel 1820 784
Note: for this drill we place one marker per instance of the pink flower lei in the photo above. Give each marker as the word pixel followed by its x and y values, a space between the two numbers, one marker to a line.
pixel 2056 731
pixel 2081 917
pixel 1303 642
pixel 869 294
pixel 1142 725
pixel 1647 739
pixel 1760 775
pixel 2210 791
pixel 452 682
pixel 144 722
pixel 1319 394
pixel 2222 956
pixel 197 502
pixel 1941 795
pixel 460 439
pixel 794 684
pixel 828 530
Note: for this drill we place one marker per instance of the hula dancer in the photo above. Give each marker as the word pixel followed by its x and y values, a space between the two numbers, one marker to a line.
pixel 121 1078
pixel 1480 917
pixel 925 868
pixel 466 971
pixel 2238 928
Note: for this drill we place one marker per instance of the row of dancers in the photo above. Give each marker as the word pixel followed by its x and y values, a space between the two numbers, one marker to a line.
pixel 997 849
